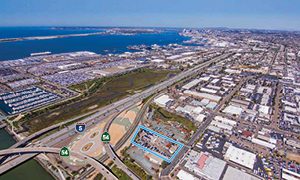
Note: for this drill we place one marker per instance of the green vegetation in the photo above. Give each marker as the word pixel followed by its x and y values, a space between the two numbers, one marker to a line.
pixel 98 177
pixel 136 169
pixel 164 164
pixel 119 173
pixel 110 163
pixel 168 116
pixel 136 80
pixel 147 98
pixel 129 162
pixel 98 93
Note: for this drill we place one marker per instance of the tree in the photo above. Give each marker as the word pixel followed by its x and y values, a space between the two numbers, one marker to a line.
pixel 164 164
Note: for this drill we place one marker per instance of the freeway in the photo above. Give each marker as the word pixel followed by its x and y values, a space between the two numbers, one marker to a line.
pixel 127 135
pixel 136 122
pixel 114 107
pixel 96 164
pixel 110 151
pixel 64 133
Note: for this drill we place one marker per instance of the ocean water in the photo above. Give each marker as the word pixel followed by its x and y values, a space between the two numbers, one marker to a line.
pixel 101 44
pixel 29 170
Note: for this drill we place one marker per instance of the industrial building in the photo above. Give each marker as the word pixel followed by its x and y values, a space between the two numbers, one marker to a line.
pixel 240 156
pixel 183 175
pixel 205 165
pixel 234 174
pixel 163 100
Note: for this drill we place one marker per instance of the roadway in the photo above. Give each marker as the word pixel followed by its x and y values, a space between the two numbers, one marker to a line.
pixel 118 106
pixel 110 109
pixel 61 135
pixel 111 151
pixel 119 163
pixel 166 171
pixel 36 150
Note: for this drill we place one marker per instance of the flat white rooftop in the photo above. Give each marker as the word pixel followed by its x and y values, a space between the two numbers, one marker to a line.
pixel 183 175
pixel 233 110
pixel 234 174
pixel 162 100
pixel 240 156
pixel 191 84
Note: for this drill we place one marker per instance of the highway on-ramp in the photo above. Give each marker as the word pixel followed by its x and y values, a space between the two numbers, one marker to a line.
pixel 93 162
pixel 113 108
pixel 111 151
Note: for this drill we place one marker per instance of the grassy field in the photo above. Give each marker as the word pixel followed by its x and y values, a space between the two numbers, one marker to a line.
pixel 97 93
pixel 168 116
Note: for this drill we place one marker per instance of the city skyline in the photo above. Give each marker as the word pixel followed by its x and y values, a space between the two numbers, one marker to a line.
pixel 277 15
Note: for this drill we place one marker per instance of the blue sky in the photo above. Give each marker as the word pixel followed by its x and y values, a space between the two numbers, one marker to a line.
pixel 265 14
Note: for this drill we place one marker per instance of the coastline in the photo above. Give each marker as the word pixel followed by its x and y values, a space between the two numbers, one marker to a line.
pixel 168 38
pixel 48 37
pixel 102 43
pixel 40 162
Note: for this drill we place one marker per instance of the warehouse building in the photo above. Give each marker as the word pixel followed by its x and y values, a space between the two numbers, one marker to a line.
pixel 205 165
pixel 203 95
pixel 233 173
pixel 240 156
pixel 183 175
pixel 163 100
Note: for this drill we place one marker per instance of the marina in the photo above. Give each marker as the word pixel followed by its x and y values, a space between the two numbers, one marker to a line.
pixel 30 98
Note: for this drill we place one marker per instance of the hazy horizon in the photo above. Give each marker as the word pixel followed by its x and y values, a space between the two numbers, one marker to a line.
pixel 103 26
pixel 255 14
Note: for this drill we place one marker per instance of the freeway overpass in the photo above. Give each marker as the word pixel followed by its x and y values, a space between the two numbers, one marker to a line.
pixel 118 106
pixel 34 150
pixel 110 151
pixel 108 110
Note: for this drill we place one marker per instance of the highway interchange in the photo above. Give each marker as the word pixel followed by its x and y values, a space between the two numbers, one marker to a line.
pixel 98 166
pixel 98 116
